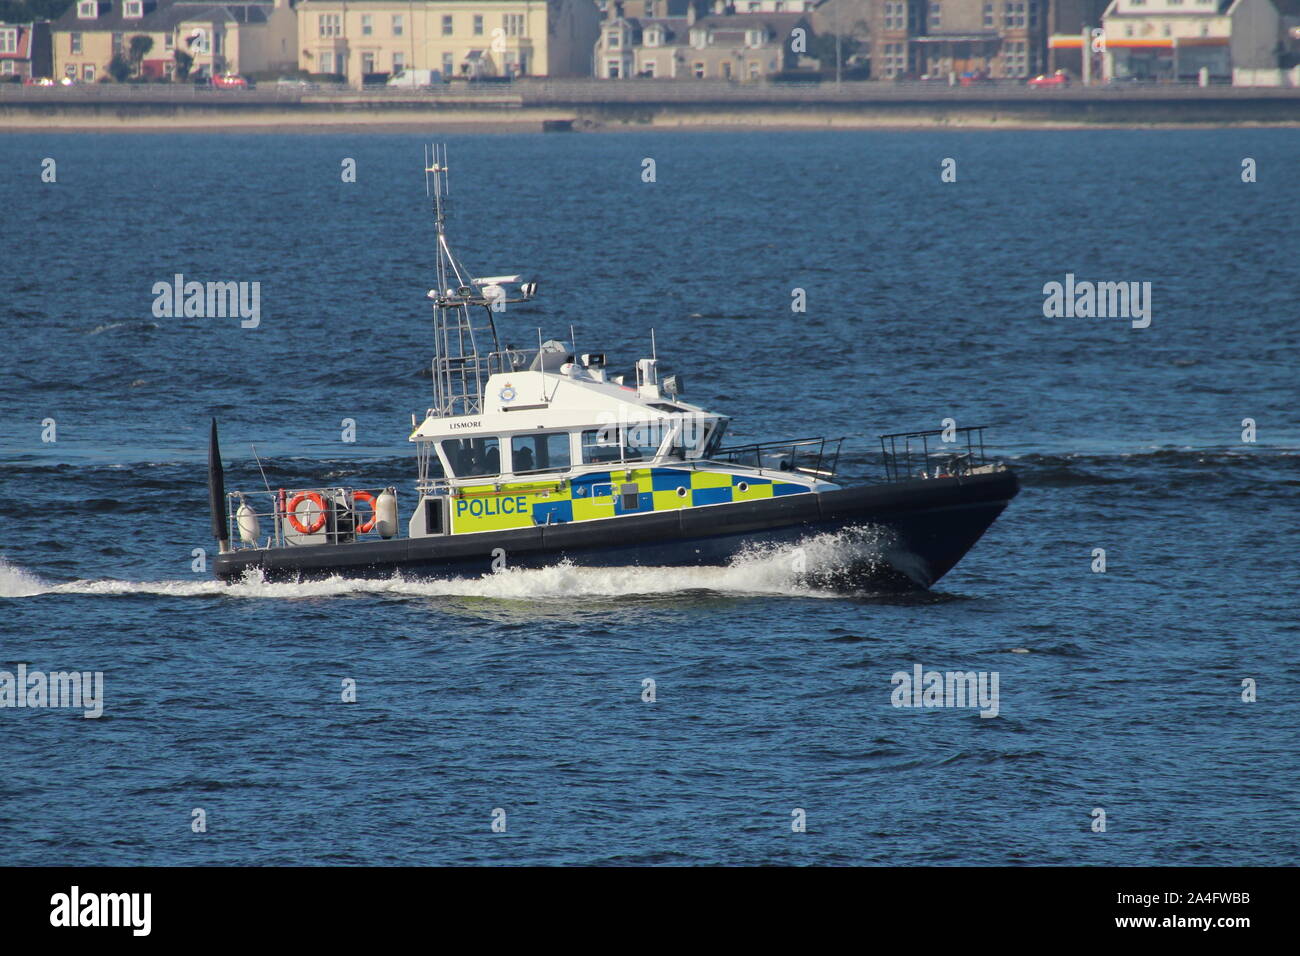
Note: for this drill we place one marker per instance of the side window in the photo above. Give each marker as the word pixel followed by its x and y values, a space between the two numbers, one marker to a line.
pixel 473 457
pixel 541 452
pixel 641 442
pixel 600 444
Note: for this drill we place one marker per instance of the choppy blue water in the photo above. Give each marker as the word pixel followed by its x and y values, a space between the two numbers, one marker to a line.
pixel 522 691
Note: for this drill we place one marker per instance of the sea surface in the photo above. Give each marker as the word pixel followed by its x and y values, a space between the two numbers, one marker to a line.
pixel 520 694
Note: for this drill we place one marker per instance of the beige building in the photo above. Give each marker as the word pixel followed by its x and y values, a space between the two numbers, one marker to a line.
pixel 354 38
pixel 186 37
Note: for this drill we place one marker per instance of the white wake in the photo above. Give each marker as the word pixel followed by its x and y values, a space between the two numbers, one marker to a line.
pixel 793 570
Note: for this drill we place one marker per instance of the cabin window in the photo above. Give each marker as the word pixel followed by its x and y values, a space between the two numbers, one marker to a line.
pixel 472 457
pixel 600 444
pixel 619 444
pixel 547 451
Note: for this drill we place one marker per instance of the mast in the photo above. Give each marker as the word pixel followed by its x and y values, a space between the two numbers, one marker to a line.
pixel 463 307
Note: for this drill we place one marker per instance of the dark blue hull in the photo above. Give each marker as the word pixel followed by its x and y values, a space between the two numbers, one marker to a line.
pixel 902 534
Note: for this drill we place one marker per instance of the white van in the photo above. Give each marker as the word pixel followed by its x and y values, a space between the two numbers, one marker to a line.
pixel 415 79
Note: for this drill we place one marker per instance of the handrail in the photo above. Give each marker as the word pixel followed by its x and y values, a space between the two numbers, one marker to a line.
pixel 953 460
pixel 788 455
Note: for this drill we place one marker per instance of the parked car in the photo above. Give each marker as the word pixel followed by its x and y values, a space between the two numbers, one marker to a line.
pixel 230 81
pixel 38 81
pixel 1059 78
pixel 415 79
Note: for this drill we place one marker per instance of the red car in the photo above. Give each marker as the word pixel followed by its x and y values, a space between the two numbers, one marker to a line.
pixel 1059 78
pixel 230 81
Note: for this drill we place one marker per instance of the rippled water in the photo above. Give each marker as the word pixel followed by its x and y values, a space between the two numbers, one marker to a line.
pixel 522 691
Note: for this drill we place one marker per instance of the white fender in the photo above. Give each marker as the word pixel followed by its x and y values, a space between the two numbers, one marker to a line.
pixel 249 527
pixel 386 513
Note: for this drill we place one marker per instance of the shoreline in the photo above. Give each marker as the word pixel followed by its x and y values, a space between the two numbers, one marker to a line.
pixel 509 114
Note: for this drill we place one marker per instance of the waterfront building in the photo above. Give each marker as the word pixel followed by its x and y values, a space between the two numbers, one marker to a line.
pixel 186 38
pixel 1176 39
pixel 25 50
pixel 722 45
pixel 354 39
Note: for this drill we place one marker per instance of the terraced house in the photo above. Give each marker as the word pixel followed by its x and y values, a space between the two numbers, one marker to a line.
pixel 664 40
pixel 25 50
pixel 470 38
pixel 183 38
pixel 991 38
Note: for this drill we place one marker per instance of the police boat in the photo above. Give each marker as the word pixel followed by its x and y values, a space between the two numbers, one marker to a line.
pixel 531 457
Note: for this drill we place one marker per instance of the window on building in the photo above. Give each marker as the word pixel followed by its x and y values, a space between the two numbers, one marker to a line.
pixel 613 39
pixel 168 43
pixel 544 451
pixel 649 8
pixel 1013 15
pixel 895 14
pixel 1013 58
pixel 652 37
pixel 9 40
pixel 87 9
pixel 726 69
pixel 448 64
pixel 133 9
pixel 649 68
pixel 698 70
pixel 988 17
pixel 367 25
pixel 367 63
pixel 472 456
pixel 513 24
pixel 478 24
pixel 7 67
pixel 446 25
pixel 1033 14
pixel 399 61
pixel 74 43
pixel 399 24
pixel 327 62
pixel 895 59
pixel 88 73
pixel 613 69
pixel 936 16
pixel 330 25
pixel 755 68
pixel 117 44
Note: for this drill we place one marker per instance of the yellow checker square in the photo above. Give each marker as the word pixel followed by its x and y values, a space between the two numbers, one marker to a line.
pixel 752 493
pixel 668 500
pixel 710 479
pixel 584 509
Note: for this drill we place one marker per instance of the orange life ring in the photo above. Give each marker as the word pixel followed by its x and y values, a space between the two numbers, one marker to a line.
pixel 369 499
pixel 315 499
